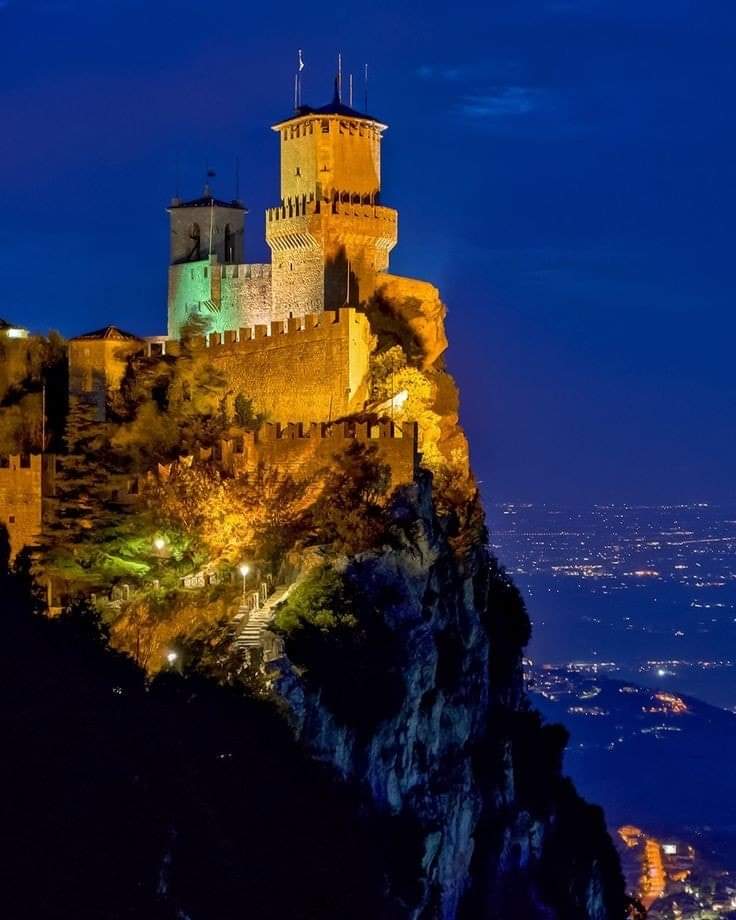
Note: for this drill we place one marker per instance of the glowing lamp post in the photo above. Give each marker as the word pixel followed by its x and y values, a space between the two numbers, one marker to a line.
pixel 171 658
pixel 244 570
pixel 159 544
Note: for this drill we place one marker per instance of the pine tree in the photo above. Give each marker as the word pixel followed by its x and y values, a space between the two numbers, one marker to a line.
pixel 85 509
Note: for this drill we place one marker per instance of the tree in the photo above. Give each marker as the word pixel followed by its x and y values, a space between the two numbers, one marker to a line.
pixel 245 415
pixel 85 508
pixel 350 512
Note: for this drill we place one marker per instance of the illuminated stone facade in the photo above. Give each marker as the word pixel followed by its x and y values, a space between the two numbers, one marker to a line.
pixel 24 482
pixel 97 363
pixel 295 337
pixel 329 237
pixel 310 367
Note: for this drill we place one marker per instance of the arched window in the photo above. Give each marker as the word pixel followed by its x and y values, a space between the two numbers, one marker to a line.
pixel 229 248
pixel 194 236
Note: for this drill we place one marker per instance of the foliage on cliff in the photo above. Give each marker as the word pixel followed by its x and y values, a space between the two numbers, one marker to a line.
pixel 334 629
pixel 179 797
pixel 34 381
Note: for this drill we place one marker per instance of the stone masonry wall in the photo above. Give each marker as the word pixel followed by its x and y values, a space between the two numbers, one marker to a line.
pixel 303 451
pixel 309 368
pixel 21 499
pixel 238 295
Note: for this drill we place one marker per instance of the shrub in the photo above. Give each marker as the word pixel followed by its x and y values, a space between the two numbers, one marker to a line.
pixel 350 512
pixel 334 629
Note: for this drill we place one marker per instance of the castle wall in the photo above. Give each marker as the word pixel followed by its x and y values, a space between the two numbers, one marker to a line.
pixel 227 296
pixel 189 286
pixel 304 451
pixel 245 295
pixel 298 280
pixel 310 367
pixel 21 499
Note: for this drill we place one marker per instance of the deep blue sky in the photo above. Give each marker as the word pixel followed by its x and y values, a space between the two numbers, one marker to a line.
pixel 564 171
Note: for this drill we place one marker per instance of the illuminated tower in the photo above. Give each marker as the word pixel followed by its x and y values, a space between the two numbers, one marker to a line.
pixel 210 286
pixel 329 236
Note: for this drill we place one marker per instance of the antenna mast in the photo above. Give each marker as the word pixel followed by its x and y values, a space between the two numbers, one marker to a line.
pixel 350 91
pixel 339 76
pixel 365 87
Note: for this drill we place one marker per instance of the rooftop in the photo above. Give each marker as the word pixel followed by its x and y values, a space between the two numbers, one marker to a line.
pixel 335 107
pixel 107 332
pixel 207 200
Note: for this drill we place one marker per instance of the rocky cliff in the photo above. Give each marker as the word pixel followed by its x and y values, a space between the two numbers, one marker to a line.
pixel 428 718
pixel 436 732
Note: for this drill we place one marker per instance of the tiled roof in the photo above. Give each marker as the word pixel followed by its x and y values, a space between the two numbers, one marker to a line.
pixel 108 332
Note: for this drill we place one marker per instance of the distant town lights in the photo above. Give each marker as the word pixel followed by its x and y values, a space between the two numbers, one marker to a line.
pixel 16 333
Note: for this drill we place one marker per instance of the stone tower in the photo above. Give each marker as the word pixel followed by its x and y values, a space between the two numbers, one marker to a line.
pixel 209 283
pixel 97 363
pixel 329 236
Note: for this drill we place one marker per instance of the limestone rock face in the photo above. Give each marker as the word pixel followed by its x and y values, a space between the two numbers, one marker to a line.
pixel 450 763
pixel 418 305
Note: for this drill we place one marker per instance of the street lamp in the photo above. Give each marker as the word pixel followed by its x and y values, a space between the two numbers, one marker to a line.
pixel 171 657
pixel 159 544
pixel 244 570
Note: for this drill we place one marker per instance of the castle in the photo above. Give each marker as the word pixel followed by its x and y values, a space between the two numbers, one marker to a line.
pixel 295 335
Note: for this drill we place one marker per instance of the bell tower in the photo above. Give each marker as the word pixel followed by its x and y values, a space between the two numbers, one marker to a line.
pixel 329 237
pixel 205 234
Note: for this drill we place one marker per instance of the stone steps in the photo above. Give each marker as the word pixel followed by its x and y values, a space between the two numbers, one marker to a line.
pixel 249 635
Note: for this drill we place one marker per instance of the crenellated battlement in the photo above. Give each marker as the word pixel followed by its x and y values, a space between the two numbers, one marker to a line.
pixel 14 463
pixel 253 338
pixel 255 271
pixel 341 203
pixel 25 480
pixel 299 450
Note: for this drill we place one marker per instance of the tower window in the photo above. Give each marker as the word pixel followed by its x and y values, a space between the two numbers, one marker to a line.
pixel 194 236
pixel 229 249
pixel 298 171
pixel 11 519
pixel 325 126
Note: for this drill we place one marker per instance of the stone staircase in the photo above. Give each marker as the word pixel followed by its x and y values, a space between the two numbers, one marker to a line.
pixel 250 620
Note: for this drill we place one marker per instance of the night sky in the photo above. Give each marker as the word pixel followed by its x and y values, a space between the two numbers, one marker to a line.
pixel 563 169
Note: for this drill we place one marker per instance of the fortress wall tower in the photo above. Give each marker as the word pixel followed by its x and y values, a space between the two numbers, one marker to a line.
pixel 97 363
pixel 208 279
pixel 21 498
pixel 329 237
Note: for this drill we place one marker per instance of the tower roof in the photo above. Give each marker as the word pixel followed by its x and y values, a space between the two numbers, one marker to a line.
pixel 108 332
pixel 207 200
pixel 335 107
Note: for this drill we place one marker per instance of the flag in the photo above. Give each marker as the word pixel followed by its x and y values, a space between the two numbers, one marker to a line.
pixel 301 62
